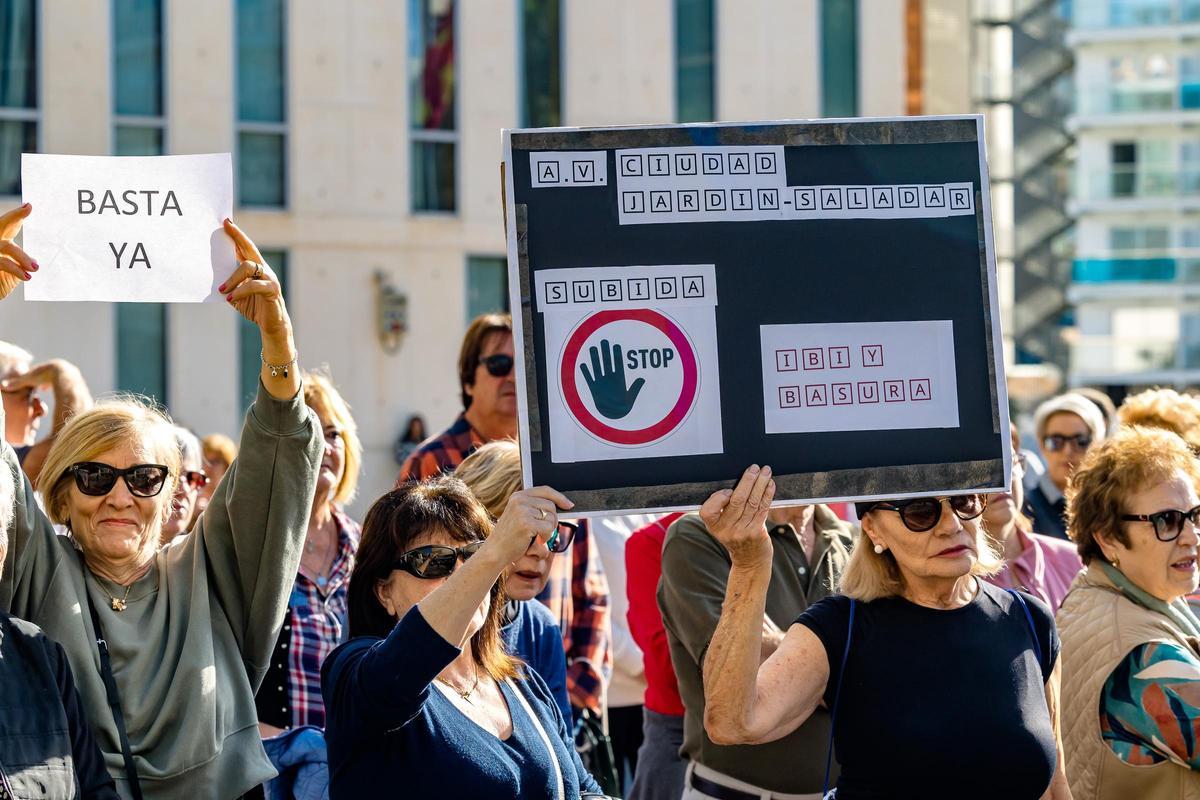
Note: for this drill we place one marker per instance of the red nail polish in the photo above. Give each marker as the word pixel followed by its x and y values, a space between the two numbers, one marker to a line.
pixel 27 276
pixel 221 288
pixel 34 265
pixel 229 297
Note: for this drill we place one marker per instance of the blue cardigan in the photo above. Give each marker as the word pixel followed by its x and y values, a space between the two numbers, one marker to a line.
pixel 533 636
pixel 386 727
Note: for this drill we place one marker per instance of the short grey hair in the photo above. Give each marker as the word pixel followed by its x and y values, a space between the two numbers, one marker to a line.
pixel 14 360
pixel 191 455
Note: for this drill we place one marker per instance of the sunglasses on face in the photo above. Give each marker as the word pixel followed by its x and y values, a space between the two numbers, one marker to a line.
pixel 923 513
pixel 435 560
pixel 1056 441
pixel 499 365
pixel 195 479
pixel 560 540
pixel 96 479
pixel 1168 523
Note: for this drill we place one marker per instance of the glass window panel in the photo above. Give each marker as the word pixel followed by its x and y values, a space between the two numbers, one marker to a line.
pixel 487 285
pixel 249 339
pixel 16 137
pixel 540 62
pixel 262 169
pixel 260 60
pixel 839 58
pixel 433 186
pixel 695 96
pixel 431 64
pixel 18 54
pixel 131 140
pixel 142 349
pixel 138 57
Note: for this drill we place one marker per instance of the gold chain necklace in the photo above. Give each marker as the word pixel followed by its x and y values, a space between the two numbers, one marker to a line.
pixel 464 695
pixel 118 604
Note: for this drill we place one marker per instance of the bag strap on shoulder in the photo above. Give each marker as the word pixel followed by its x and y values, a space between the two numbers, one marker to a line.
pixel 114 694
pixel 837 696
pixel 1042 656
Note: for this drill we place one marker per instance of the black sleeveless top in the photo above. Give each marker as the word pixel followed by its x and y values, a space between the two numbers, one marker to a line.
pixel 940 703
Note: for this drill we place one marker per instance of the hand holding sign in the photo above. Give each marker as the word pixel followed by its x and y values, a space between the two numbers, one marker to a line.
pixel 607 383
pixel 15 264
pixel 737 519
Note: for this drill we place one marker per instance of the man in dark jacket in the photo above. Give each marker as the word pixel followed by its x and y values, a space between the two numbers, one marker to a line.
pixel 46 745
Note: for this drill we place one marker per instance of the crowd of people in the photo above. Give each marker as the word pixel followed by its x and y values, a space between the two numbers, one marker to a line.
pixel 195 617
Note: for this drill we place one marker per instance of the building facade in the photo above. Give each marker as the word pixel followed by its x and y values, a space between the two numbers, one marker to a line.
pixel 366 142
pixel 1136 195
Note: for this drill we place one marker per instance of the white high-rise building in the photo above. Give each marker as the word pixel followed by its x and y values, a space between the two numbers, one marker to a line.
pixel 366 142
pixel 1136 197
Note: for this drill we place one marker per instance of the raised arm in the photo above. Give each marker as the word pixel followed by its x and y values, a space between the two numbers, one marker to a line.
pixel 71 396
pixel 743 702
pixel 254 527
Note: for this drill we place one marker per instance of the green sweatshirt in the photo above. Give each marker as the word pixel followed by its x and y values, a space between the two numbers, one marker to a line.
pixel 193 644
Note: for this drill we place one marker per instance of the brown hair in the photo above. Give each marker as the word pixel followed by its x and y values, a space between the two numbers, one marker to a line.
pixel 219 448
pixel 480 329
pixel 1166 409
pixel 394 523
pixel 1131 460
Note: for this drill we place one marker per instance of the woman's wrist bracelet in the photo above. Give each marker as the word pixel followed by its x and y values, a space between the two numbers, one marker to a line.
pixel 277 368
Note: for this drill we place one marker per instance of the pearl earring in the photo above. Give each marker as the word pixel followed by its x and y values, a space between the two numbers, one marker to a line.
pixel 879 549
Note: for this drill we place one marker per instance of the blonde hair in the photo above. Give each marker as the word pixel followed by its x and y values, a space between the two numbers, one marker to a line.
pixel 1134 459
pixel 873 576
pixel 128 420
pixel 219 448
pixel 1166 409
pixel 321 396
pixel 492 473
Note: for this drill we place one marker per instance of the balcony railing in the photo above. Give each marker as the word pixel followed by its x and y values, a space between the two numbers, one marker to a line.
pixel 1110 355
pixel 1178 265
pixel 1133 13
pixel 1131 181
pixel 1139 99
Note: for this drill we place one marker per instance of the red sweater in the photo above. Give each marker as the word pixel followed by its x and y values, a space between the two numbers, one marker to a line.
pixel 643 568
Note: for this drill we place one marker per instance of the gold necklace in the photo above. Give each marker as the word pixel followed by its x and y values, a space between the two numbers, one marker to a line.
pixel 117 604
pixel 464 695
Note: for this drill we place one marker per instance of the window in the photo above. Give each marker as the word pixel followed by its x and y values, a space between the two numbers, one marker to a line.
pixel 839 58
pixel 249 339
pixel 138 78
pixel 262 104
pixel 142 350
pixel 695 95
pixel 18 89
pixel 487 285
pixel 139 130
pixel 1143 239
pixel 432 100
pixel 541 66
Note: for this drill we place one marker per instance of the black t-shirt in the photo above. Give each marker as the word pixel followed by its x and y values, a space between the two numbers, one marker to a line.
pixel 940 703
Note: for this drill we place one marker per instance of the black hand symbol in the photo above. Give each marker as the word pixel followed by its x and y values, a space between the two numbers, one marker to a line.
pixel 607 384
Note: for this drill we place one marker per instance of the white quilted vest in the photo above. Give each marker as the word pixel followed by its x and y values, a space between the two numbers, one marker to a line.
pixel 1099 627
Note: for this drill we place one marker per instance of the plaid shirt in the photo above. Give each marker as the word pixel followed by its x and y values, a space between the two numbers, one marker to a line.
pixel 442 453
pixel 315 623
pixel 577 594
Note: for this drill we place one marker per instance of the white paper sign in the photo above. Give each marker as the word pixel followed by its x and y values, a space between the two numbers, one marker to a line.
pixel 128 229
pixel 859 376
pixel 631 361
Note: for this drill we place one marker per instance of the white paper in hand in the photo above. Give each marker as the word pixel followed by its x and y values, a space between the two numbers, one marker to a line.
pixel 128 229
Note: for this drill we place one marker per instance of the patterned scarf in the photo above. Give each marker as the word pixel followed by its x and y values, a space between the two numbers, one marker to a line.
pixel 1178 611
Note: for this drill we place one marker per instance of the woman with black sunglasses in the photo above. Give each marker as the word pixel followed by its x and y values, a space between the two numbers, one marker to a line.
pixel 940 684
pixel 168 645
pixel 425 699
pixel 1131 663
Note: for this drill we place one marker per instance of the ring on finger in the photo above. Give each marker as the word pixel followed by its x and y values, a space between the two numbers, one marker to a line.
pixel 542 513
pixel 257 272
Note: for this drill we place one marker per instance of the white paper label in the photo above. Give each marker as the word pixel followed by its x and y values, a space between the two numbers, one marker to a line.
pixel 128 229
pixel 567 169
pixel 859 376
pixel 632 361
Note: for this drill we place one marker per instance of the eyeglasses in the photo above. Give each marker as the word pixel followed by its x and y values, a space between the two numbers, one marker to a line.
pixel 435 560
pixel 96 479
pixel 1056 441
pixel 1168 524
pixel 195 479
pixel 560 540
pixel 923 513
pixel 498 365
